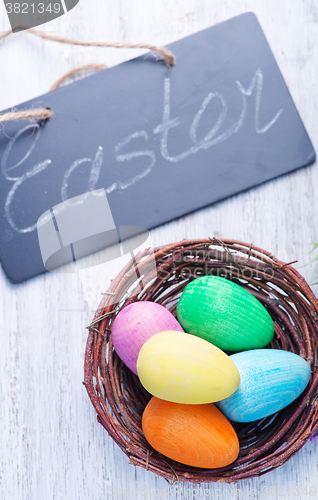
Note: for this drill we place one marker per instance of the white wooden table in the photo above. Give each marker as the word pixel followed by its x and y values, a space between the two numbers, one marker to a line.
pixel 51 446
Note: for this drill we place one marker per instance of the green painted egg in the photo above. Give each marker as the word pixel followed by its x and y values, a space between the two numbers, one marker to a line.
pixel 225 314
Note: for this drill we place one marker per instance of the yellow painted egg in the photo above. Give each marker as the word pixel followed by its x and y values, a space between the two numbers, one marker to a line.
pixel 182 368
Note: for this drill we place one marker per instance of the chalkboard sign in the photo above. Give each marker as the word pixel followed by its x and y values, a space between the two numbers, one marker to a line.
pixel 160 142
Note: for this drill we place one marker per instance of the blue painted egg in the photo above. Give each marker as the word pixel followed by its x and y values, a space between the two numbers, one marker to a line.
pixel 270 380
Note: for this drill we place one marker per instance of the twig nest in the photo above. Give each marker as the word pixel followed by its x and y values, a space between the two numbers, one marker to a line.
pixel 118 396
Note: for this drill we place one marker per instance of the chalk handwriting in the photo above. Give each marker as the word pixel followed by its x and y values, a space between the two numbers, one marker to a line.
pixel 212 138
pixel 130 156
pixel 93 178
pixel 36 132
pixel 258 81
pixel 27 175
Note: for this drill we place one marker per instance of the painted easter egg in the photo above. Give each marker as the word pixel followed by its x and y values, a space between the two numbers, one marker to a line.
pixel 196 435
pixel 270 380
pixel 225 314
pixel 135 324
pixel 182 368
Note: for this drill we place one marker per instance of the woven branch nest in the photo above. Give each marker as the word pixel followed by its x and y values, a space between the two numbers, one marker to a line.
pixel 118 397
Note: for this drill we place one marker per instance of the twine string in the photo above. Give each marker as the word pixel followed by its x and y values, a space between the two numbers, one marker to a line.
pixel 29 114
pixel 75 71
pixel 44 113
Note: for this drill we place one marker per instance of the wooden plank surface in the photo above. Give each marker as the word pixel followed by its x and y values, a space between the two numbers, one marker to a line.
pixel 50 443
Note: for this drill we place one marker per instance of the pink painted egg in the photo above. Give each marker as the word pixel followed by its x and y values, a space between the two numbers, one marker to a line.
pixel 135 324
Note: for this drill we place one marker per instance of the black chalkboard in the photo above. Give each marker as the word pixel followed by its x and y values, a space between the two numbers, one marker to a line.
pixel 161 142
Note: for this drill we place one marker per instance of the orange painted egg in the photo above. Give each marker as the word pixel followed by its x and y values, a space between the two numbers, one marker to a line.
pixel 196 435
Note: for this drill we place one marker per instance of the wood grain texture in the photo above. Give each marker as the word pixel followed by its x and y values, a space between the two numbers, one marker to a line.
pixel 50 443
